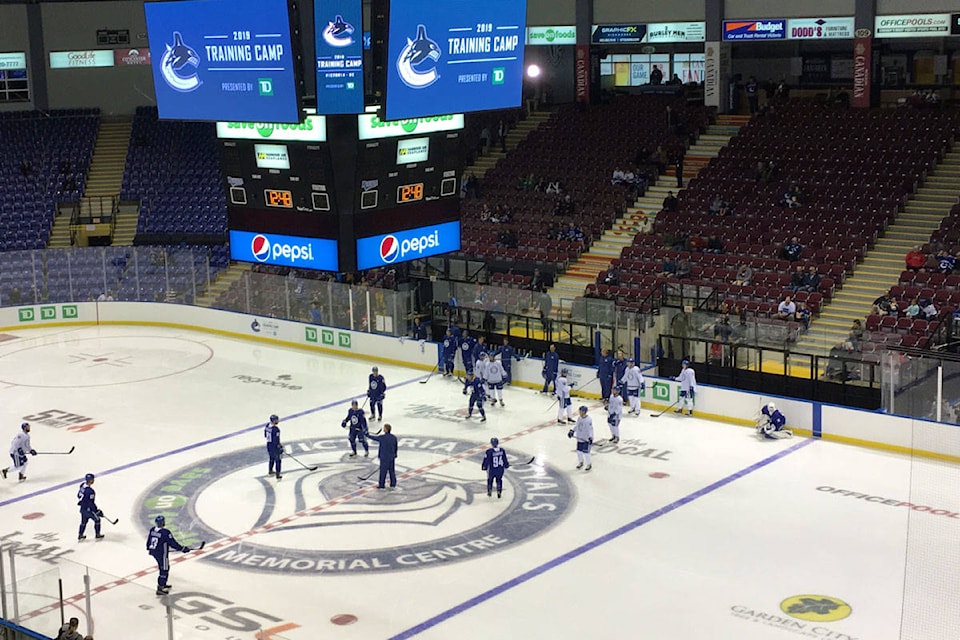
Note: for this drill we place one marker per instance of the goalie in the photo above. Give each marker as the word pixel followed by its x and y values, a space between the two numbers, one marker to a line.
pixel 770 423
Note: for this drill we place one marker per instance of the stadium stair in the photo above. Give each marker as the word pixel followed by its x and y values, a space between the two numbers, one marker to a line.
pixel 515 136
pixel 224 280
pixel 636 219
pixel 882 265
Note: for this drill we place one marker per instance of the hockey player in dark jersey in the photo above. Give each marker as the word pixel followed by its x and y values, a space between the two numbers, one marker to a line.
pixel 159 543
pixel 87 499
pixel 274 448
pixel 474 386
pixel 376 391
pixel 507 355
pixel 494 463
pixel 466 343
pixel 449 353
pixel 356 421
pixel 605 374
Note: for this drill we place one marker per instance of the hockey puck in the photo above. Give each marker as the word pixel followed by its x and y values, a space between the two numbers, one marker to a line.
pixel 343 619
pixel 33 516
pixel 659 474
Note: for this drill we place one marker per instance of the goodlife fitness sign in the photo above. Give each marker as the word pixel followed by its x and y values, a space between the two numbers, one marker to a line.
pixel 81 59
pixel 921 25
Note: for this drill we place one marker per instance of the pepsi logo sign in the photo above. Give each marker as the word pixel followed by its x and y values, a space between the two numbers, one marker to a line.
pixel 260 246
pixel 389 249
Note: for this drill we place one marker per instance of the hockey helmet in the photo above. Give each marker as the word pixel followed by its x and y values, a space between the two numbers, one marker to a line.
pixel 89 477
pixel 274 418
pixel 615 389
pixel 685 363
pixel 375 369
pixel 160 521
pixel 354 404
pixel 25 426
pixel 583 408
pixel 630 360
pixel 494 442
pixel 483 355
pixel 563 372
pixel 771 407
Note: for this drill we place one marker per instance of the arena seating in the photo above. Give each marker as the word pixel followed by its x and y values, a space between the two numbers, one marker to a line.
pixel 44 160
pixel 173 170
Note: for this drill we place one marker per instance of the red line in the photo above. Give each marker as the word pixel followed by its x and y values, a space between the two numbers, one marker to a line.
pixel 212 546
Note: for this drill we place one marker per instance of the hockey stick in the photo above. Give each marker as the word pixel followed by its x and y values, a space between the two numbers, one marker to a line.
pixel 530 461
pixel 657 415
pixel 378 432
pixel 110 521
pixel 203 543
pixel 368 476
pixel 290 455
pixel 427 379
pixel 56 453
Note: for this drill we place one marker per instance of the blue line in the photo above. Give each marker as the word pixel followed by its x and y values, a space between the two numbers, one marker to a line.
pixel 817 420
pixel 590 546
pixel 188 447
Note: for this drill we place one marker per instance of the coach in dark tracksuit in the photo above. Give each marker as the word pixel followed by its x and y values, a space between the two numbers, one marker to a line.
pixel 387 454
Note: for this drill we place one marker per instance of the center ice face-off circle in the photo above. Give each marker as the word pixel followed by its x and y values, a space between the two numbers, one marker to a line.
pixel 440 515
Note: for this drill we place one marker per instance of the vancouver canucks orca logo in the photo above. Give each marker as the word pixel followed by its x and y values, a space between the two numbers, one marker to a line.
pixel 417 63
pixel 179 66
pixel 338 33
pixel 327 521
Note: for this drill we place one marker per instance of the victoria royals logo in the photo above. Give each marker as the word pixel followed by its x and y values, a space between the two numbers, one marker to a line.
pixel 318 522
pixel 179 65
pixel 338 33
pixel 417 63
pixel 260 246
pixel 389 249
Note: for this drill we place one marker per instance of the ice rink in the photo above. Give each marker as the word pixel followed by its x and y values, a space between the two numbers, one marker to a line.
pixel 686 529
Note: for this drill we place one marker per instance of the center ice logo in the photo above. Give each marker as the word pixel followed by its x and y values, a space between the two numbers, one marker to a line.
pixel 417 62
pixel 314 522
pixel 179 64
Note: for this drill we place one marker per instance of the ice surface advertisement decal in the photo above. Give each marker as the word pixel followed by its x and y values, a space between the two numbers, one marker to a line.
pixel 430 519
pixel 806 615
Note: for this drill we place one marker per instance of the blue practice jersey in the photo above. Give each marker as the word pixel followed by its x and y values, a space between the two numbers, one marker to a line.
pixel 605 367
pixel 619 368
pixel 449 347
pixel 273 437
pixel 777 419
pixel 551 362
pixel 507 353
pixel 160 541
pixel 376 387
pixel 419 332
pixel 495 461
pixel 87 498
pixel 356 420
pixel 478 348
pixel 476 389
pixel 466 345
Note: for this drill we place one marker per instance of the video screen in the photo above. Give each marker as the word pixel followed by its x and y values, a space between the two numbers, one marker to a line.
pixel 411 150
pixel 223 60
pixel 339 36
pixel 453 56
pixel 272 156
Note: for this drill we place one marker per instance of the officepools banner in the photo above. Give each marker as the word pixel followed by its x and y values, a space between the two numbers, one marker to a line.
pixel 541 36
pixel 403 246
pixel 312 129
pixel 16 60
pixel 820 28
pixel 754 30
pixel 922 25
pixel 862 70
pixel 370 127
pixel 284 251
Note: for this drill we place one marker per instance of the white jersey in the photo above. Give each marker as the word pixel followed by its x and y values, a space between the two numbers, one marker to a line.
pixel 583 430
pixel 632 377
pixel 615 406
pixel 495 372
pixel 687 379
pixel 20 444
pixel 562 388
pixel 480 368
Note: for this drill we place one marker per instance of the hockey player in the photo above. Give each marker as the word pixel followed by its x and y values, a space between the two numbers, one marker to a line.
pixel 495 377
pixel 87 499
pixel 376 391
pixel 770 423
pixel 19 448
pixel 562 388
pixel 480 347
pixel 274 448
pixel 583 432
pixel 477 396
pixel 357 423
pixel 551 362
pixel 614 414
pixel 494 463
pixel 507 355
pixel 480 368
pixel 159 543
pixel 449 353
pixel 688 386
pixel 633 381
pixel 619 367
pixel 465 344
pixel 419 330
pixel 605 374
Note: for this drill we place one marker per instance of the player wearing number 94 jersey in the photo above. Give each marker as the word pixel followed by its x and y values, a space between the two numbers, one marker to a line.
pixel 494 463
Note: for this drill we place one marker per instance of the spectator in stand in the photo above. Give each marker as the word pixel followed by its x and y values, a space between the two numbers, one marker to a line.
pixel 670 202
pixel 855 337
pixel 502 135
pixel 803 315
pixel 796 279
pixel 945 262
pixel 752 88
pixel 668 268
pixel 883 305
pixel 656 75
pixel 697 243
pixel 793 203
pixel 916 259
pixel 927 309
pixel 573 233
pixel 714 245
pixel 537 282
pixel 316 315
pixel 660 159
pixel 912 310
pixel 678 167
pixel 553 187
pixel 612 277
pixel 771 172
pixel 675 80
pixel 716 206
pixel 722 329
pixel 683 268
pixel 786 309
pixel 618 176
pixel 744 275
pixel 792 250
pixel 484 140
pixel 811 281
pixel 760 171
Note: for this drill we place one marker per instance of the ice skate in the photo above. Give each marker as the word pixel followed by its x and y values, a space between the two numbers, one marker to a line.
pixel 589 466
pixel 580 465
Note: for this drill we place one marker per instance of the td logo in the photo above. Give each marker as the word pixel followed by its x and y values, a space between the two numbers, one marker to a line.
pixel 266 86
pixel 498 75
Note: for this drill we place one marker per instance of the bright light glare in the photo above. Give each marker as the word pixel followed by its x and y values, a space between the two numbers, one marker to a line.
pixel 533 71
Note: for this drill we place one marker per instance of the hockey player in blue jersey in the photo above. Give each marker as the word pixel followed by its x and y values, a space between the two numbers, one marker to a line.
pixel 770 423
pixel 605 374
pixel 474 386
pixel 449 353
pixel 583 433
pixel 688 387
pixel 87 499
pixel 619 367
pixel 551 363
pixel 614 414
pixel 274 448
pixel 507 355
pixel 19 448
pixel 159 543
pixel 357 423
pixel 376 391
pixel 479 348
pixel 465 344
pixel 494 463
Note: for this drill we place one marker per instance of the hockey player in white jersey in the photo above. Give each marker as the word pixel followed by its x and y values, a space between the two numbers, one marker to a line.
pixel 19 448
pixel 614 414
pixel 496 375
pixel 770 423
pixel 688 387
pixel 562 389
pixel 632 380
pixel 480 369
pixel 583 433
